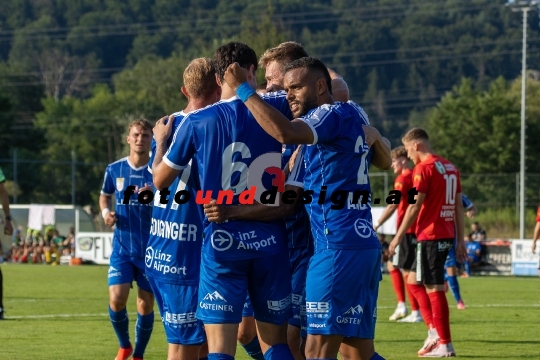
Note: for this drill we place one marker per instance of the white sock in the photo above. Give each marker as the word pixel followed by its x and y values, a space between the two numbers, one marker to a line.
pixel 432 333
pixel 401 306
pixel 415 312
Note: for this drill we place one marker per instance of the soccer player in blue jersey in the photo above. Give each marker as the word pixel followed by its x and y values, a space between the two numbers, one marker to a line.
pixel 232 153
pixel 124 179
pixel 451 262
pixel 344 273
pixel 173 255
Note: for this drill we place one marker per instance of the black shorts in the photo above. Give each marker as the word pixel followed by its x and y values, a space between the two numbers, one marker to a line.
pixel 430 258
pixel 406 252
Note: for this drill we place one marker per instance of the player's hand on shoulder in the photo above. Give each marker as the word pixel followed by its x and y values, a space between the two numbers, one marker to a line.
pixel 235 75
pixel 163 129
pixel 216 213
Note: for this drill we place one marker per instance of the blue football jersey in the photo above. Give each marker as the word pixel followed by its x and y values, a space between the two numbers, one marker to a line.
pixel 232 153
pixel 336 168
pixel 298 225
pixel 467 203
pixel 173 254
pixel 133 225
pixel 472 248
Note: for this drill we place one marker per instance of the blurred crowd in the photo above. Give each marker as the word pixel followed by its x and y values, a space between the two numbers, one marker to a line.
pixel 41 247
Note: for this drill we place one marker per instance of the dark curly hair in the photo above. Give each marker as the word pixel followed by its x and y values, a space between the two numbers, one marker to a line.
pixel 231 53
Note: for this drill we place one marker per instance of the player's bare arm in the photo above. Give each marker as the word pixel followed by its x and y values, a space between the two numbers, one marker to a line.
pixel 340 90
pixel 270 119
pixel 388 211
pixel 411 214
pixel 162 174
pixel 381 148
pixel 254 212
pixel 105 204
pixel 8 227
pixel 461 250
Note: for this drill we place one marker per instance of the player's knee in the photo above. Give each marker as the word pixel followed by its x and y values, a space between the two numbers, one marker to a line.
pixel 145 305
pixel 117 303
pixel 244 337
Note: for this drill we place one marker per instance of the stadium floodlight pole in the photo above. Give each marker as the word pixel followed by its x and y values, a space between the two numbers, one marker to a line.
pixel 523 6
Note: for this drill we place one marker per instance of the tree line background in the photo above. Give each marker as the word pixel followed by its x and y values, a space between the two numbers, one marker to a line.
pixel 74 73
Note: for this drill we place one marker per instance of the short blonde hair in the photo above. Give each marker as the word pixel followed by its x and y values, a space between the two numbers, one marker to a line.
pixel 415 134
pixel 145 124
pixel 283 54
pixel 398 152
pixel 200 78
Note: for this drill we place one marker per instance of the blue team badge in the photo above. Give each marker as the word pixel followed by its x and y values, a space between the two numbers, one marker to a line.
pixel 363 228
pixel 221 240
pixel 119 184
pixel 149 256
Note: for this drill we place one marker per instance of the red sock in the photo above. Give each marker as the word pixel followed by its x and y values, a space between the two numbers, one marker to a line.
pixel 412 299
pixel 441 315
pixel 399 284
pixel 419 292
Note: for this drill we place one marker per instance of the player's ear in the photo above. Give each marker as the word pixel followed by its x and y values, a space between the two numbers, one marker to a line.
pixel 321 86
pixel 218 80
pixel 184 91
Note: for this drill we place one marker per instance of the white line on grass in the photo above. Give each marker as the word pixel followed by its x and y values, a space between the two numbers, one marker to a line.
pixel 49 316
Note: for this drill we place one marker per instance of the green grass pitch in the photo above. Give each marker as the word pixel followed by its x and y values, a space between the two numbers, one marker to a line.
pixel 61 313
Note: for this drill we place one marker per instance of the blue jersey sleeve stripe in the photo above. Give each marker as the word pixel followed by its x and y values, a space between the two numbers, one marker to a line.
pixel 325 113
pixel 173 165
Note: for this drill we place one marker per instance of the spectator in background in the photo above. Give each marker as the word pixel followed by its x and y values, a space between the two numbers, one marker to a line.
pixel 473 253
pixel 536 234
pixel 17 245
pixel 384 245
pixel 8 230
pixel 477 233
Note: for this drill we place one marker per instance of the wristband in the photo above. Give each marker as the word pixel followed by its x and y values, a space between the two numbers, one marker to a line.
pixel 105 212
pixel 244 91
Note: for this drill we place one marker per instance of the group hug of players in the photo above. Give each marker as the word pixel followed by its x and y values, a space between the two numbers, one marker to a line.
pixel 288 280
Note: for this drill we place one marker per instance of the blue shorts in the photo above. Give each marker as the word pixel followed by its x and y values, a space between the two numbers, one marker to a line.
pixel 124 269
pixel 248 309
pixel 224 284
pixel 451 258
pixel 299 260
pixel 341 292
pixel 177 305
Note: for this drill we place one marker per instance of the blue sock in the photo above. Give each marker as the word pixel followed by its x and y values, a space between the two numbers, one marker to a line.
pixel 467 268
pixel 143 330
pixel 376 357
pixel 253 349
pixel 454 286
pixel 120 323
pixel 219 356
pixel 279 352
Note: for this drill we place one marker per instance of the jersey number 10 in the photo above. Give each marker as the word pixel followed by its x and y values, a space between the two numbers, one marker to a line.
pixel 451 187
